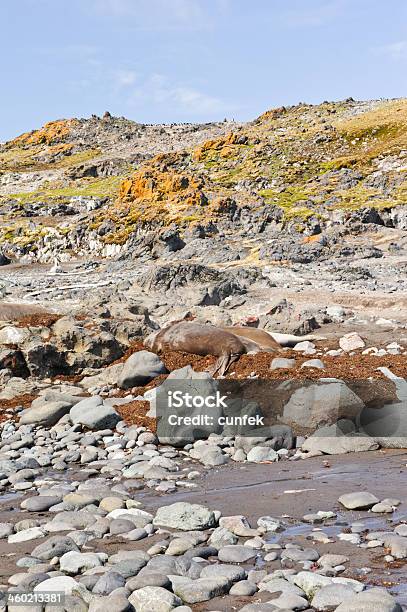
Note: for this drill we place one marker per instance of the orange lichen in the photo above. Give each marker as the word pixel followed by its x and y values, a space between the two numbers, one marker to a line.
pixel 50 133
pixel 151 192
pixel 60 148
pixel 224 147
pixel 148 184
pixel 273 113
pixel 311 239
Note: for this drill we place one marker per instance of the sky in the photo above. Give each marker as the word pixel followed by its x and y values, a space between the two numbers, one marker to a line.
pixel 163 61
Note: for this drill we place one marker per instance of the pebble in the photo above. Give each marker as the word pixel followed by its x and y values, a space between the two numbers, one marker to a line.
pixel 109 582
pixel 202 589
pixel 373 599
pixel 358 501
pixel 148 579
pixel 313 363
pixel 236 554
pixel 244 588
pixel 282 363
pixel 329 597
pixel 351 342
pixel 382 508
pixel 154 598
pixel 184 516
pixel 33 533
pixel 40 503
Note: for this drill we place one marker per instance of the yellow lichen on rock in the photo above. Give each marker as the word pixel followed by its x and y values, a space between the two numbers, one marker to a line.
pixel 147 184
pixel 152 192
pixel 273 113
pixel 51 133
pixel 60 148
pixel 311 239
pixel 224 147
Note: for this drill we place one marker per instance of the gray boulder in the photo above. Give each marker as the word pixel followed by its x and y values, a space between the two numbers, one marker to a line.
pixel 236 554
pixel 331 441
pixel 329 597
pixel 56 546
pixel 321 404
pixel 209 454
pixel 232 572
pixel 139 369
pixel 258 454
pixel 108 582
pixel 196 384
pixel 94 414
pixel 184 516
pixel 373 600
pixel 361 500
pixel 116 602
pixel 48 414
pixel 154 599
pixel 203 589
pixel 275 437
pixel 41 503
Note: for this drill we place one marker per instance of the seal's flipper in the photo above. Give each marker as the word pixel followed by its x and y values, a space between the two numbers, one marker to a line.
pixel 290 340
pixel 223 364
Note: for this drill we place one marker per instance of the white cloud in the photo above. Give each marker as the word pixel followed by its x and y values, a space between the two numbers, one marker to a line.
pixel 125 78
pixel 197 100
pixel 395 51
pixel 158 90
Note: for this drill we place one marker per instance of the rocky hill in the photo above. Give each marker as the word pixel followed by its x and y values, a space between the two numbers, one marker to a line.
pixel 284 187
pixel 52 180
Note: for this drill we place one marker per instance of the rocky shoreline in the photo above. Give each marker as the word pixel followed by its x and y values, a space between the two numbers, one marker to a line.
pixel 112 513
pixel 78 517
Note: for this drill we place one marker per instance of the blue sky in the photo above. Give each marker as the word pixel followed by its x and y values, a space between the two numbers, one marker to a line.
pixel 193 60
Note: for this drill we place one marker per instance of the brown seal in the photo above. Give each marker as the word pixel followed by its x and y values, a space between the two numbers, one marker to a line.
pixel 202 340
pixel 263 339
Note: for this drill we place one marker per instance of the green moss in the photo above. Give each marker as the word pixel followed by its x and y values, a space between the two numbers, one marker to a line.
pixel 382 132
pixel 359 197
pixel 230 177
pixel 290 202
pixel 287 198
pixel 299 212
pixel 8 234
pixel 63 230
pixel 337 164
pixel 87 187
pixel 190 218
pixel 76 158
pixel 16 160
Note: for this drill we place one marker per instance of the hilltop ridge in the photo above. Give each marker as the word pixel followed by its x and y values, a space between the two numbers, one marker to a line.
pixel 92 185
